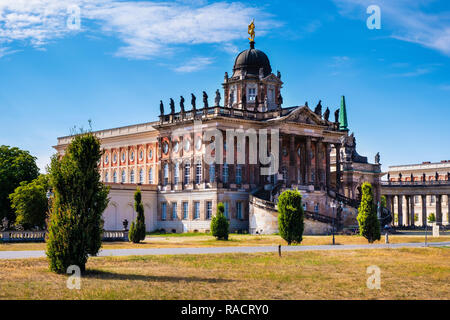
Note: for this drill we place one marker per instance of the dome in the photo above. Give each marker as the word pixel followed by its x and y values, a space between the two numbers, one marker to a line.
pixel 252 60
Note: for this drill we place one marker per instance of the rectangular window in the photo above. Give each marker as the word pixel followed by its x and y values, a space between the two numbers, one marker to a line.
pixel 238 174
pixel 251 94
pixel 226 210
pixel 212 174
pixel 176 172
pixel 174 211
pixel 187 173
pixel 225 173
pixel 208 210
pixel 163 211
pixel 198 173
pixel 196 210
pixel 316 208
pixel 239 210
pixel 185 210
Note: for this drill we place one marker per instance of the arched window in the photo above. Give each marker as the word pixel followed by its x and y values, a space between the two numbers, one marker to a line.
pixel 141 176
pixel 176 173
pixel 166 174
pixel 150 176
pixel 106 177
pixel 115 177
pixel 198 173
pixel 132 176
pixel 187 173
pixel 238 174
pixel 212 173
pixel 124 176
pixel 225 173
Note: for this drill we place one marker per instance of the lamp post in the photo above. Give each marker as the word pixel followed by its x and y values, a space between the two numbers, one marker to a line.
pixel 333 205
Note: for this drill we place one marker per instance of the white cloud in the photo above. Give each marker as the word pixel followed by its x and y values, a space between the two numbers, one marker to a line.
pixel 6 51
pixel 194 64
pixel 147 29
pixel 408 21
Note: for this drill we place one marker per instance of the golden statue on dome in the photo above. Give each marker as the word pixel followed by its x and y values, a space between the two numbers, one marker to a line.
pixel 251 31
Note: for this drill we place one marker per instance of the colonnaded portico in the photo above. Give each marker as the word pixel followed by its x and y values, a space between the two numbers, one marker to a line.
pixel 414 192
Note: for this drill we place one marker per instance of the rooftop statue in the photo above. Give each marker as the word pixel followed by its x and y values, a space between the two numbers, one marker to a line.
pixel 306 104
pixel 193 102
pixel 326 115
pixel 279 75
pixel 251 31
pixel 205 100
pixel 182 104
pixel 318 109
pixel 218 98
pixel 161 107
pixel 336 116
pixel 377 158
pixel 172 106
pixel 280 100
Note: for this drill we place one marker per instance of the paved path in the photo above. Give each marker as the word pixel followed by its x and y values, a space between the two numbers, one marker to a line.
pixel 218 250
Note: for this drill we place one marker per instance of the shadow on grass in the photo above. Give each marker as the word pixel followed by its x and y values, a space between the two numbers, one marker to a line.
pixel 106 275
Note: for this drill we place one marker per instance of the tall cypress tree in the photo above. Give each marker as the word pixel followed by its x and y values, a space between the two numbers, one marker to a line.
pixel 137 229
pixel 290 216
pixel 369 225
pixel 75 224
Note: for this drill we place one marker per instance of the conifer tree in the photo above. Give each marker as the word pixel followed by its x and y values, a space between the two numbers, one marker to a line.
pixel 75 222
pixel 219 224
pixel 369 225
pixel 137 229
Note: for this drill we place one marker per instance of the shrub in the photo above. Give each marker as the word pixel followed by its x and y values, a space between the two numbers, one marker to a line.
pixel 75 222
pixel 369 226
pixel 431 218
pixel 290 216
pixel 137 229
pixel 219 224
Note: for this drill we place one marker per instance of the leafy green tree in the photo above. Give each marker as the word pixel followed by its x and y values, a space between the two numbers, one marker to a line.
pixel 30 202
pixel 220 226
pixel 16 166
pixel 137 229
pixel 369 225
pixel 290 216
pixel 75 223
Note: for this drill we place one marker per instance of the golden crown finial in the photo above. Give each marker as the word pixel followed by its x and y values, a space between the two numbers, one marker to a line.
pixel 251 31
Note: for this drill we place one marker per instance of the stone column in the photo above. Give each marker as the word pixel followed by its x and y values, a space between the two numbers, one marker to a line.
pixel 448 209
pixel 400 210
pixel 439 209
pixel 292 161
pixel 308 160
pixel 389 203
pixel 317 166
pixel 413 203
pixel 424 209
pixel 327 160
pixel 408 207
pixel 338 167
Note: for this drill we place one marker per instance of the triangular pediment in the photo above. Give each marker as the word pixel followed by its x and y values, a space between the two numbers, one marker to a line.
pixel 304 115
pixel 271 78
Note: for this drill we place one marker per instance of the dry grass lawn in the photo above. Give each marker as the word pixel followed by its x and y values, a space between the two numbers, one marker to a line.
pixel 422 273
pixel 177 241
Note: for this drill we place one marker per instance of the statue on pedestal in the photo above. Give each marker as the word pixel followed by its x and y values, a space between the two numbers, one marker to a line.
pixel 182 104
pixel 326 115
pixel 318 109
pixel 377 158
pixel 336 116
pixel 172 106
pixel 280 100
pixel 205 100
pixel 218 98
pixel 193 102
pixel 161 107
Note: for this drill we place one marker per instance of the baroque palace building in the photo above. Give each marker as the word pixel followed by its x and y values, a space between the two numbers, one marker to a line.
pixel 166 159
pixel 413 192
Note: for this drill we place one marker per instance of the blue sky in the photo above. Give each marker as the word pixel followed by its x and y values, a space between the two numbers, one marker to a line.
pixel 128 55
